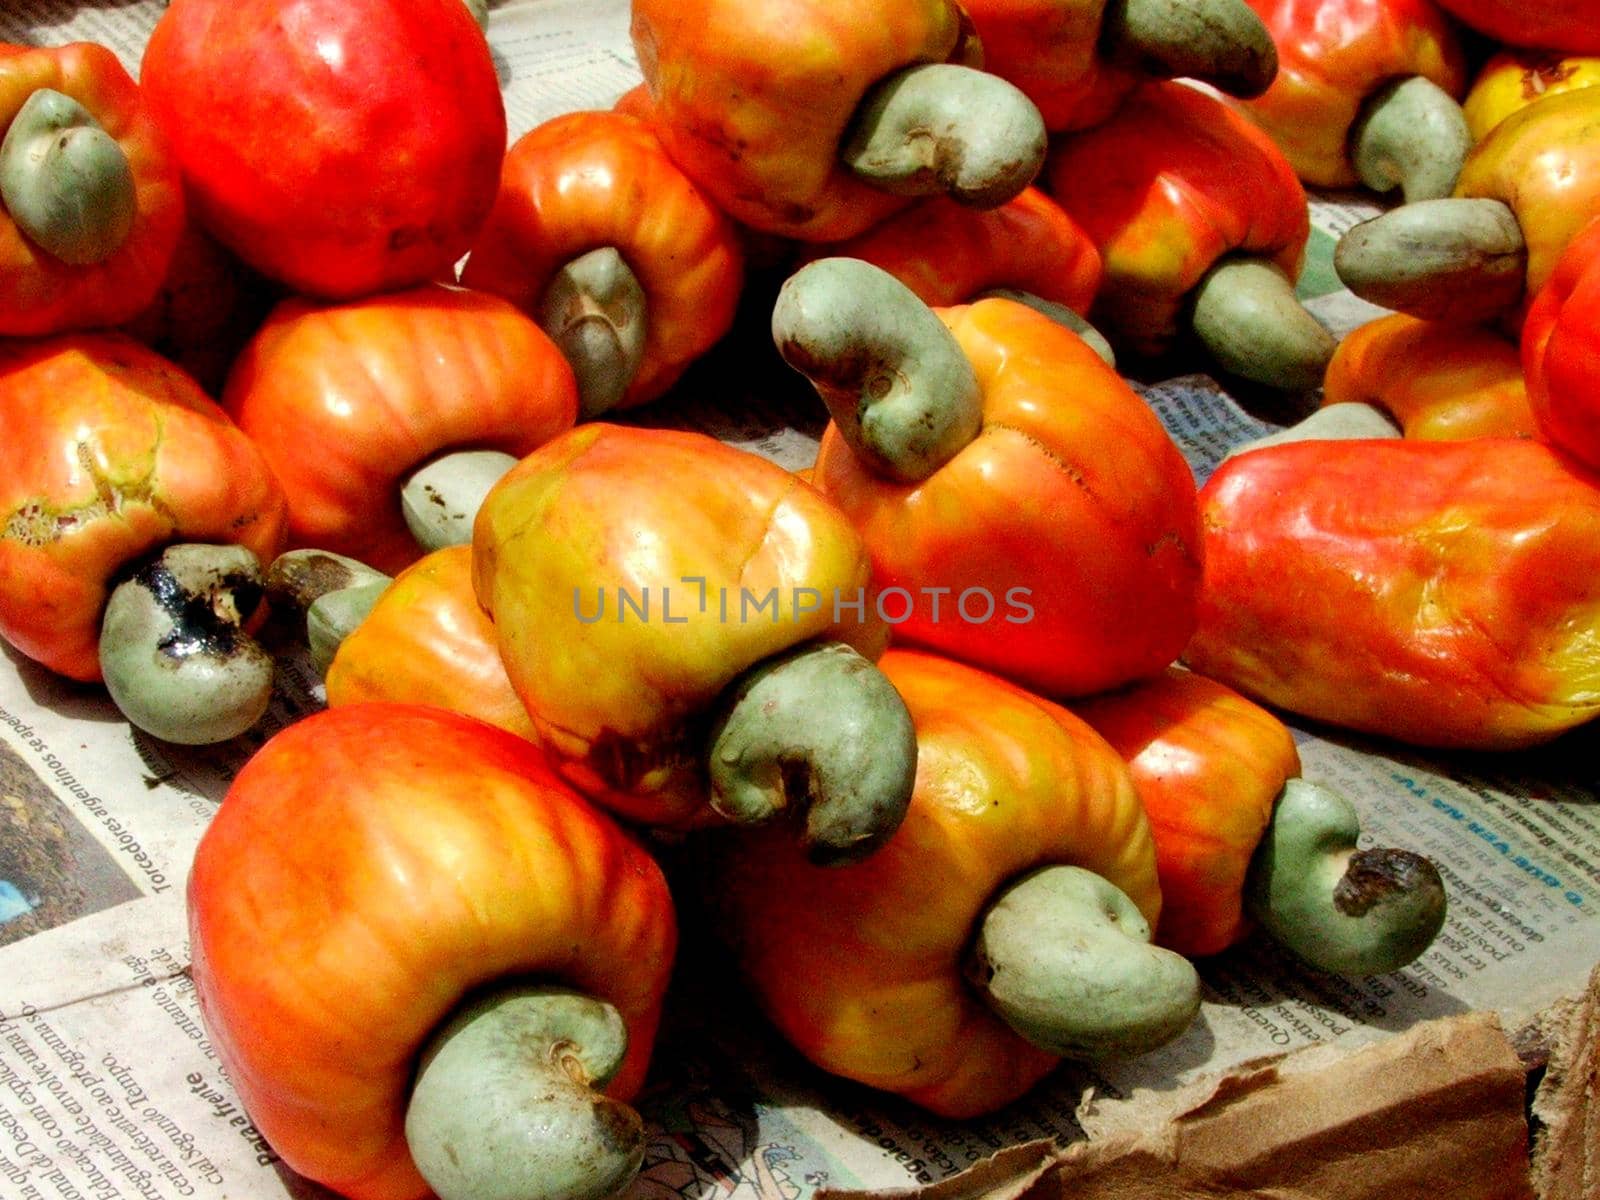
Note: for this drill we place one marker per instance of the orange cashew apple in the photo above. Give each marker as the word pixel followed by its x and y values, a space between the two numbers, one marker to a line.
pixel 429 967
pixel 1004 925
pixel 135 519
pixel 690 628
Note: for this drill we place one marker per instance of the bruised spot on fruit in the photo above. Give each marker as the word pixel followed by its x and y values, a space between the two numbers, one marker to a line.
pixel 618 1125
pixel 790 213
pixel 408 236
pixel 714 134
pixel 1539 77
pixel 625 762
pixel 38 525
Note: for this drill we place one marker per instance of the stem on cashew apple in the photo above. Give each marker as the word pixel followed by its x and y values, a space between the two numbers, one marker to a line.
pixel 897 383
pixel 1064 957
pixel 507 1102
pixel 1341 909
pixel 1412 135
pixel 65 181
pixel 820 721
pixel 1222 42
pixel 1455 259
pixel 596 312
pixel 946 129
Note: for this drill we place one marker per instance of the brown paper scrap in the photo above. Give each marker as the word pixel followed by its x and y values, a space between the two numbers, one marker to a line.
pixel 1435 1113
pixel 1566 1106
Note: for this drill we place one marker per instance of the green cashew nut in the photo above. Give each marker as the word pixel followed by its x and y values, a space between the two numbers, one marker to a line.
pixel 898 384
pixel 441 498
pixel 1222 42
pixel 65 181
pixel 334 593
pixel 1061 315
pixel 334 617
pixel 507 1102
pixel 298 577
pixel 821 728
pixel 173 651
pixel 1064 957
pixel 944 129
pixel 1349 420
pixel 1449 260
pixel 1348 911
pixel 596 312
pixel 1246 315
pixel 1412 135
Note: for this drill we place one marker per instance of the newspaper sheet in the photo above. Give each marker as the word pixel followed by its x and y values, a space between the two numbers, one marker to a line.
pixel 110 1087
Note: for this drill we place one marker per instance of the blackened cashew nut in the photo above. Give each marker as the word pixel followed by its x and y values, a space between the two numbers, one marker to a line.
pixel 174 653
pixel 333 592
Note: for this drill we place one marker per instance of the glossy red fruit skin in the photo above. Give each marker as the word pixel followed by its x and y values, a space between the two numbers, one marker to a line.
pixel 1561 350
pixel 341 147
pixel 1565 25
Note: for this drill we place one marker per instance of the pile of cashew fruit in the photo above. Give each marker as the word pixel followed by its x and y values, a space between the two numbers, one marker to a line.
pixel 969 737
